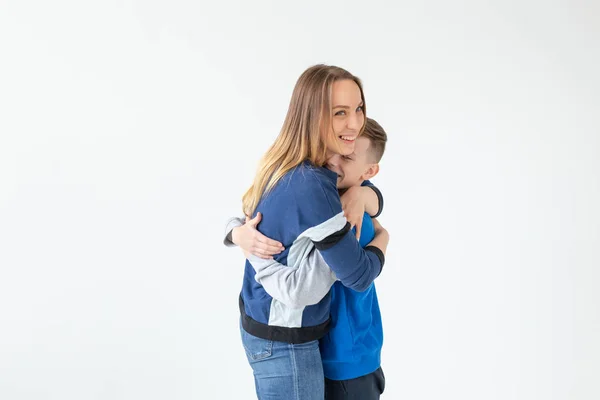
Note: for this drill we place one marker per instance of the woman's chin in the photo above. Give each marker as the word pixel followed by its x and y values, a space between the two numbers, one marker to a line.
pixel 346 147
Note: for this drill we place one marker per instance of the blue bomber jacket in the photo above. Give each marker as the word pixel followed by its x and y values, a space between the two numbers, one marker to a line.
pixel 292 304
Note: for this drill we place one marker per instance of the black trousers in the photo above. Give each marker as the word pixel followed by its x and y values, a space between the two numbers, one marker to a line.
pixel 367 387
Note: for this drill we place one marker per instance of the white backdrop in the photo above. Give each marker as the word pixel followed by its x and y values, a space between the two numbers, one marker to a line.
pixel 130 130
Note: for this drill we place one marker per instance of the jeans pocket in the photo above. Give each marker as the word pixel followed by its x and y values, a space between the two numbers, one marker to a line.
pixel 256 348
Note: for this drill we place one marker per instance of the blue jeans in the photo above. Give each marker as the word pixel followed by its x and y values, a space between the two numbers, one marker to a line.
pixel 285 371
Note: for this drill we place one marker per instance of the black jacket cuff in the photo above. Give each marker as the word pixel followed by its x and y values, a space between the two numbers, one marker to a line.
pixel 380 198
pixel 379 255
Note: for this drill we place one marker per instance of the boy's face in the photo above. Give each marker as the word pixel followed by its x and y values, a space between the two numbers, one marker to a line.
pixel 353 168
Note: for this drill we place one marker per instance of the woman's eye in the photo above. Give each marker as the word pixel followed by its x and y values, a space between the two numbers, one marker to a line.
pixel 347 158
pixel 341 112
pixel 359 109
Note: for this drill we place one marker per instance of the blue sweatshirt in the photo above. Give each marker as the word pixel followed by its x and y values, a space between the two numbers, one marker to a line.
pixel 352 348
pixel 287 299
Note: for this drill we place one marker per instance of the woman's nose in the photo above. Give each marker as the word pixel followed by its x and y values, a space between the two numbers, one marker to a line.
pixel 355 121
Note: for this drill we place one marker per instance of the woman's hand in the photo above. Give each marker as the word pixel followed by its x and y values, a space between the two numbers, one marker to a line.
pixel 354 205
pixel 251 241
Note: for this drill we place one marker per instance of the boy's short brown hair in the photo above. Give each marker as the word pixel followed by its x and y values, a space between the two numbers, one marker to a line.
pixel 378 138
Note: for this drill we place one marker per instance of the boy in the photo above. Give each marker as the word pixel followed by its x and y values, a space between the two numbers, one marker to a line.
pixel 351 350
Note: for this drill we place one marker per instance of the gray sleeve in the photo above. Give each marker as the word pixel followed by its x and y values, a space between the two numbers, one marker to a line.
pixel 232 223
pixel 296 286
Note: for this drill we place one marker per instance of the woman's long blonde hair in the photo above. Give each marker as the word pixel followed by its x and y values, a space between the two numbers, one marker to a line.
pixel 301 137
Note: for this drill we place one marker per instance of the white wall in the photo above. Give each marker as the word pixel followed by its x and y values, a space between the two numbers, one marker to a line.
pixel 129 131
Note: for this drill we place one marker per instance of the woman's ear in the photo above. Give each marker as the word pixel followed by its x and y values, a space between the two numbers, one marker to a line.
pixel 370 172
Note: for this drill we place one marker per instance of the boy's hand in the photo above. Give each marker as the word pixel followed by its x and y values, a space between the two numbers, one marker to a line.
pixel 382 237
pixel 376 225
pixel 353 204
pixel 253 242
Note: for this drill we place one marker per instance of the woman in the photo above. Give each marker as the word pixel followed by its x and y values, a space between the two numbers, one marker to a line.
pixel 301 209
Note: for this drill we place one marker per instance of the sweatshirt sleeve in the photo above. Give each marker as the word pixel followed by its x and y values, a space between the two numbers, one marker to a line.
pixel 297 285
pixel 231 223
pixel 321 220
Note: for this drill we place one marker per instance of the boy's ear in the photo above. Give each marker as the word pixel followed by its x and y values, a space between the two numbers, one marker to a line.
pixel 371 172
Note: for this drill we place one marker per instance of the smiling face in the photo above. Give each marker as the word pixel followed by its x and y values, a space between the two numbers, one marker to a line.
pixel 356 167
pixel 348 117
